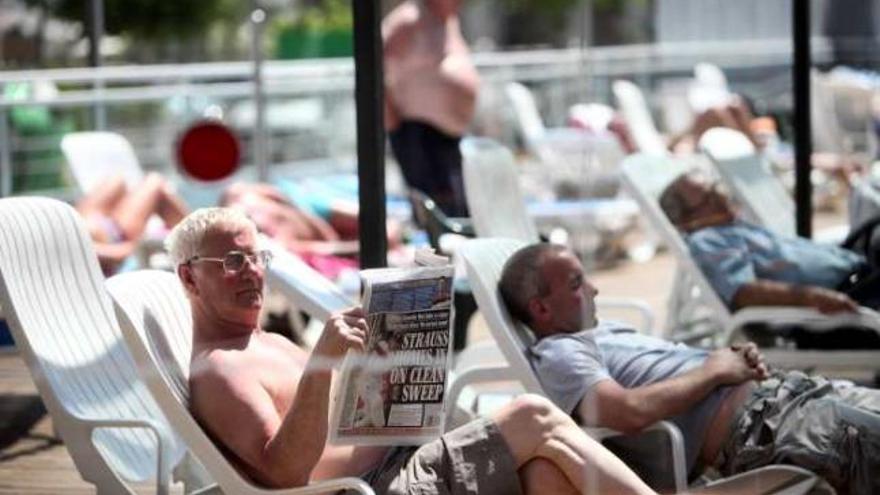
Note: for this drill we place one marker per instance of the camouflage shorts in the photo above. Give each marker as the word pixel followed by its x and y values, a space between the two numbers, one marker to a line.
pixel 471 459
pixel 831 428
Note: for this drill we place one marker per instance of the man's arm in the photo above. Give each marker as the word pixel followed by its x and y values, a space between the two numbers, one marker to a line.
pixel 280 452
pixel 610 405
pixel 771 293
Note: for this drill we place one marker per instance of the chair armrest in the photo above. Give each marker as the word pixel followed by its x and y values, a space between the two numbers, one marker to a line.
pixel 329 486
pixel 775 478
pixel 326 486
pixel 676 447
pixel 472 376
pixel 163 445
pixel 807 317
pixel 637 305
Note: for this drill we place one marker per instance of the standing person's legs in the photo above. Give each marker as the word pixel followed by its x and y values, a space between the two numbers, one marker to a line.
pixel 430 162
pixel 446 162
pixel 407 144
pixel 535 429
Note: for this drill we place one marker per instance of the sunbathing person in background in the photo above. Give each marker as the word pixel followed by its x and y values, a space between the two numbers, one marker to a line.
pixel 265 401
pixel 328 243
pixel 116 217
pixel 748 265
pixel 734 414
pixel 735 114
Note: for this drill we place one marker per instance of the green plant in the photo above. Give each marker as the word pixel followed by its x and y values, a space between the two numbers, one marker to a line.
pixel 328 15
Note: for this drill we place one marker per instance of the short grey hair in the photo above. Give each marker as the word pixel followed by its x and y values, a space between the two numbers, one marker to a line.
pixel 521 279
pixel 185 238
pixel 672 202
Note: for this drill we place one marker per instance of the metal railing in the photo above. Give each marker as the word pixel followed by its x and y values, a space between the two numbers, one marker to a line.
pixel 310 105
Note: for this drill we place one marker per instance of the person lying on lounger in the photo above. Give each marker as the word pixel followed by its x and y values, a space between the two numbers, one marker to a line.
pixel 117 216
pixel 734 413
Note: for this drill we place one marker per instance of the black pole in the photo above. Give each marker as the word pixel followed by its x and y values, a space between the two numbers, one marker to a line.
pixel 370 132
pixel 803 146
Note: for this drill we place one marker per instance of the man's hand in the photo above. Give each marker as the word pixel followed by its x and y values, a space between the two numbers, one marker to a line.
pixel 827 300
pixel 753 356
pixel 343 331
pixel 731 367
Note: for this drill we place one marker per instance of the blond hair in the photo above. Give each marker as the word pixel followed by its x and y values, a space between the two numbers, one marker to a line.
pixel 185 238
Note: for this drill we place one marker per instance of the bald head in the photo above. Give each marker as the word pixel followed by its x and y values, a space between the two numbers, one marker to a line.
pixel 521 278
pixel 692 202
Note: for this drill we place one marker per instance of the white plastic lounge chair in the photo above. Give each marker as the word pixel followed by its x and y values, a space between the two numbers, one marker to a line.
pixel 708 89
pixel 752 183
pixel 498 210
pixel 63 324
pixel 485 259
pixel 569 154
pixel 694 303
pixel 747 174
pixel 637 115
pixel 157 325
pixel 96 155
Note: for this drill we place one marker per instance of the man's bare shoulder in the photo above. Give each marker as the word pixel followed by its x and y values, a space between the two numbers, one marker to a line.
pixel 218 368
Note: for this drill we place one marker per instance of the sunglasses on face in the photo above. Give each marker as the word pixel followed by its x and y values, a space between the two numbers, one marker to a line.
pixel 234 261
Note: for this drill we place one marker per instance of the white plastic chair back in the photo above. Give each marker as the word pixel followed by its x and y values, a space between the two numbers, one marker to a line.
pixel 634 109
pixel 96 155
pixel 154 313
pixel 751 182
pixel 494 197
pixel 63 324
pixel 484 259
pixel 531 125
pixel 710 75
pixel 709 88
pixel 646 177
pixel 827 134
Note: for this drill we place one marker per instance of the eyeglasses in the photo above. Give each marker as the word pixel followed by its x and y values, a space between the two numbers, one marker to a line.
pixel 233 262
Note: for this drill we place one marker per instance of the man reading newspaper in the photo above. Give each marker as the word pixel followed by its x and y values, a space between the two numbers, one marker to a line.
pixel 264 400
pixel 393 394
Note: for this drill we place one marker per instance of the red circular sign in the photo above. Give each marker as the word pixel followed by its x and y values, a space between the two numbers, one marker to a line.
pixel 208 151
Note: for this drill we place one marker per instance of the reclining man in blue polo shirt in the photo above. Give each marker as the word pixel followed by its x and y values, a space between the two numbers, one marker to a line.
pixel 748 265
pixel 734 414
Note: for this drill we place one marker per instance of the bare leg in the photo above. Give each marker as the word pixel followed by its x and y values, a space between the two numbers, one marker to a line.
pixel 542 476
pixel 133 211
pixel 172 209
pixel 742 117
pixel 534 428
pixel 103 198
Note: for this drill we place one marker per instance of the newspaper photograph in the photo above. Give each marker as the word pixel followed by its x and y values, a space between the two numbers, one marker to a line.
pixel 393 394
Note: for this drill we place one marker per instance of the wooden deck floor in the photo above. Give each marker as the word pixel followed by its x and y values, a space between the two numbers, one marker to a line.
pixel 32 459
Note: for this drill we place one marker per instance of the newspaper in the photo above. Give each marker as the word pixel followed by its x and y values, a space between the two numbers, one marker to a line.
pixel 393 394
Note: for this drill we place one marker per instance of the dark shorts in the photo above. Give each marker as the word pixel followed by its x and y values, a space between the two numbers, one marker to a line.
pixel 471 459
pixel 430 161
